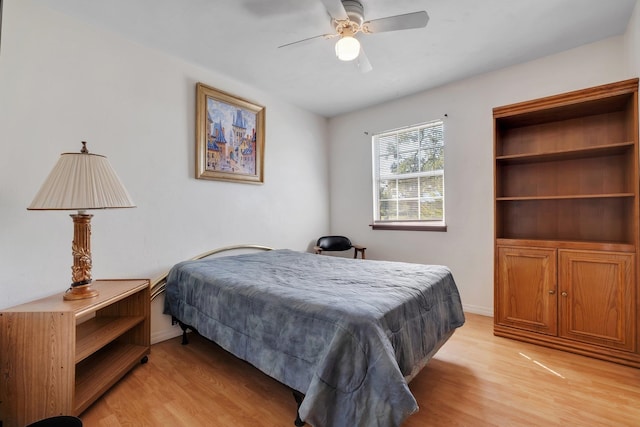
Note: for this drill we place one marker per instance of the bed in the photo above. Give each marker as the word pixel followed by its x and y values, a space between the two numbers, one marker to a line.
pixel 345 335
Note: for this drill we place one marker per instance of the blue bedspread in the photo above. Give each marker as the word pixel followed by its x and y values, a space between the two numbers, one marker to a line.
pixel 344 332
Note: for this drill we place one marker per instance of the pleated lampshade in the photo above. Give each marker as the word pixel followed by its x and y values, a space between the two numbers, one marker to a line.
pixel 82 181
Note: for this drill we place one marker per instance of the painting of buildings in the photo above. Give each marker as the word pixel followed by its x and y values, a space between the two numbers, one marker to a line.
pixel 231 138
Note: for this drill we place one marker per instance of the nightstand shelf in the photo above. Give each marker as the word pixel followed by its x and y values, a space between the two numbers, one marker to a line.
pixel 100 331
pixel 59 356
pixel 104 369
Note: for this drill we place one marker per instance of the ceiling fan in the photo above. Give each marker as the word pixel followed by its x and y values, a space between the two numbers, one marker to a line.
pixel 347 17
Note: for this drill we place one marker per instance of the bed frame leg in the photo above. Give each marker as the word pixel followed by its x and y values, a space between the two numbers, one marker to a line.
pixel 298 397
pixel 184 328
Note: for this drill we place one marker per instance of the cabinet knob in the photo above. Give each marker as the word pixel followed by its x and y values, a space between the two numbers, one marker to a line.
pixel 552 291
pixel 564 294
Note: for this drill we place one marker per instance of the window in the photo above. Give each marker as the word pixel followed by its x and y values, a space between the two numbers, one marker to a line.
pixel 408 178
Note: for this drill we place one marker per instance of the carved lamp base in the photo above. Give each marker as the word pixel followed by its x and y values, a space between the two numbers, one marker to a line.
pixel 80 292
pixel 81 250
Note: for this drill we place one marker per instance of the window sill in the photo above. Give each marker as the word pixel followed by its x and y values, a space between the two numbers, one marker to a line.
pixel 409 226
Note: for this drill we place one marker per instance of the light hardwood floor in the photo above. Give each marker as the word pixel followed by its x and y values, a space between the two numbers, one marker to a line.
pixel 476 379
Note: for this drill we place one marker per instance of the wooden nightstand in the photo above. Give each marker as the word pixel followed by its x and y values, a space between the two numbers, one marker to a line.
pixel 57 357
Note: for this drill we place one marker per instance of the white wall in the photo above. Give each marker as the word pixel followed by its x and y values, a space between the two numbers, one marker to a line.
pixel 467 246
pixel 632 41
pixel 62 82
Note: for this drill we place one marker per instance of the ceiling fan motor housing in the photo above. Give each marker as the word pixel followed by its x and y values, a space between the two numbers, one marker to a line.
pixel 355 11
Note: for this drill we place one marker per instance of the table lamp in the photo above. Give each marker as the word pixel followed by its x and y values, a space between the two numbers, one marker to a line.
pixel 81 181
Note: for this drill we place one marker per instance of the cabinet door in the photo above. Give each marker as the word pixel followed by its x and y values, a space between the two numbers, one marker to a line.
pixel 597 298
pixel 526 289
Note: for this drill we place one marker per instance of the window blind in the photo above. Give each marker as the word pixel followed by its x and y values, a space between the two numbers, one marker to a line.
pixel 409 174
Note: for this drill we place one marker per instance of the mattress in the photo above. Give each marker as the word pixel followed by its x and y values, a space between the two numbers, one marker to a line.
pixel 346 333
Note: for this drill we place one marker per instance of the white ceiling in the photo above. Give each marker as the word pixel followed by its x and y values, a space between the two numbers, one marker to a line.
pixel 240 38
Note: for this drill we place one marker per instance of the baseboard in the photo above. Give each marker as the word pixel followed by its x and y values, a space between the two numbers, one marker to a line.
pixel 484 311
pixel 165 334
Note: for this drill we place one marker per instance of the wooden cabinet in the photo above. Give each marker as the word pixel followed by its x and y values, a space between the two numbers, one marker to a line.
pixel 596 292
pixel 527 289
pixel 566 221
pixel 59 356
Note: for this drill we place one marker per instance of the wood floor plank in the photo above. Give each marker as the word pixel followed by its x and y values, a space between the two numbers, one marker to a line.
pixel 476 379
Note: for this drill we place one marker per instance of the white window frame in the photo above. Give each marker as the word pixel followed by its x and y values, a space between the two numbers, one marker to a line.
pixel 412 224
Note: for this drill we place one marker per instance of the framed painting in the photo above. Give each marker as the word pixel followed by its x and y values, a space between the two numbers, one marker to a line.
pixel 229 137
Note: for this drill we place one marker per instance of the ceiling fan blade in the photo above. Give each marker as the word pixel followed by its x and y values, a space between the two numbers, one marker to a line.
pixel 335 9
pixel 363 62
pixel 397 22
pixel 325 36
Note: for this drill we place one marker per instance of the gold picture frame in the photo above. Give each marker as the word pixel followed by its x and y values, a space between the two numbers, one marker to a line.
pixel 230 134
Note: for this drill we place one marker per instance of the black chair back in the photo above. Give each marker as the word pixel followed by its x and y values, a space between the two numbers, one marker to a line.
pixel 334 243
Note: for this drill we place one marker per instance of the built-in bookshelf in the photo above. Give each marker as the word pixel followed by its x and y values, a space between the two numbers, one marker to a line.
pixel 566 221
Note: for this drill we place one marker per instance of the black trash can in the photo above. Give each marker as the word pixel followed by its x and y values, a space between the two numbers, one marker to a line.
pixel 61 421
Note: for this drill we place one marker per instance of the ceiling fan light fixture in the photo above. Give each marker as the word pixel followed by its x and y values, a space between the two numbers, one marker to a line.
pixel 347 48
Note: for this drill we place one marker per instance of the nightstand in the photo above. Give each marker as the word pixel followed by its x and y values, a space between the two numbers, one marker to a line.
pixel 58 357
